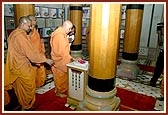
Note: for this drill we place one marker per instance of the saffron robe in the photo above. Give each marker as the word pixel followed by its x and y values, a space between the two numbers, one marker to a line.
pixel 60 54
pixel 39 68
pixel 19 72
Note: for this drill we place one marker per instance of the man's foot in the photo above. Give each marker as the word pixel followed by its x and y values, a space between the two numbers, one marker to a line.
pixel 30 109
pixel 152 84
pixel 55 91
pixel 60 94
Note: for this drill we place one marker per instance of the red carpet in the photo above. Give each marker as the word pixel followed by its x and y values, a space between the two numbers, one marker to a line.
pixel 130 101
pixel 50 102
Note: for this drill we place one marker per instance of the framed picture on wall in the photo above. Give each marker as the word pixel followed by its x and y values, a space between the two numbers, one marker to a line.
pixel 53 12
pixel 83 31
pixel 44 12
pixel 60 13
pixel 8 10
pixel 9 22
pixel 37 11
pixel 122 34
pixel 86 12
pixel 41 22
pixel 46 32
pixel 123 12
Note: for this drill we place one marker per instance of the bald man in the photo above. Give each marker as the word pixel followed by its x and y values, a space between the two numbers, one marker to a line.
pixel 39 44
pixel 60 53
pixel 19 73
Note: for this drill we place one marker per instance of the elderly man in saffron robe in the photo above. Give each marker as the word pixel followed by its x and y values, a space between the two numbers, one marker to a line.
pixel 39 44
pixel 19 73
pixel 60 53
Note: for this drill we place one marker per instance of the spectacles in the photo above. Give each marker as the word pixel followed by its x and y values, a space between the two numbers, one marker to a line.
pixel 70 40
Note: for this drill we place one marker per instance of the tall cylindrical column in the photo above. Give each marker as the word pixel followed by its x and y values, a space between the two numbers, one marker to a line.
pixel 76 19
pixel 134 14
pixel 104 44
pixel 128 67
pixel 22 10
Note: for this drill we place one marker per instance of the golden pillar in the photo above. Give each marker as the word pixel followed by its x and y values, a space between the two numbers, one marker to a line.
pixel 76 19
pixel 22 10
pixel 104 44
pixel 128 67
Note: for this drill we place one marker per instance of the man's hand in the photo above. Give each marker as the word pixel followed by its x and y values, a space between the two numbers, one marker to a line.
pixel 76 59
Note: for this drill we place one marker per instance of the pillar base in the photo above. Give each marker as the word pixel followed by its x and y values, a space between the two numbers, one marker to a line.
pixel 99 101
pixel 128 69
pixel 76 54
pixel 72 101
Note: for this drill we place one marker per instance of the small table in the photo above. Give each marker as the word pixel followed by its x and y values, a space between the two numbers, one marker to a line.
pixel 77 82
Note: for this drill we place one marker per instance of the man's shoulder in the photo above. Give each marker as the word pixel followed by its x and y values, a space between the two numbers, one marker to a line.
pixel 59 32
pixel 17 32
